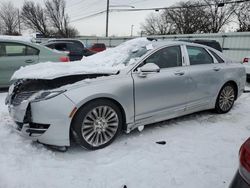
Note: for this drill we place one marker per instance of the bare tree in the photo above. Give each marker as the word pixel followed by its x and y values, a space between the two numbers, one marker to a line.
pixel 1 27
pixel 10 18
pixel 55 10
pixel 189 17
pixel 219 16
pixel 35 18
pixel 158 24
pixel 243 16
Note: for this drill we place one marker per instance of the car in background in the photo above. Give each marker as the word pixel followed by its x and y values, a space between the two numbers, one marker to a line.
pixel 16 53
pixel 246 63
pixel 211 43
pixel 98 47
pixel 75 48
pixel 242 176
pixel 137 83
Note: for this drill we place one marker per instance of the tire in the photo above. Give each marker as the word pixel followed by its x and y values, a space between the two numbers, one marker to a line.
pixel 225 99
pixel 97 124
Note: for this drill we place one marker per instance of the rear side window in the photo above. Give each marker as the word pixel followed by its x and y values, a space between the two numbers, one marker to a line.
pixel 198 56
pixel 218 58
pixel 166 57
pixel 16 49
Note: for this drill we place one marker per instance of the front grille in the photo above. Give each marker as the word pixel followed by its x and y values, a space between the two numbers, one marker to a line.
pixel 37 128
pixel 18 98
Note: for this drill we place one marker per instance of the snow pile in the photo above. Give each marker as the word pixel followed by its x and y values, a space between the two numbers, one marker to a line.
pixel 109 61
pixel 19 38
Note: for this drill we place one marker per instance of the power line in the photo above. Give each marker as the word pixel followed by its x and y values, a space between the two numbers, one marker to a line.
pixel 178 7
pixel 158 8
pixel 89 16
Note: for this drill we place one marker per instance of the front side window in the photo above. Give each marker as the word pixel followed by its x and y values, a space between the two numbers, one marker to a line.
pixel 16 49
pixel 167 57
pixel 198 56
pixel 61 47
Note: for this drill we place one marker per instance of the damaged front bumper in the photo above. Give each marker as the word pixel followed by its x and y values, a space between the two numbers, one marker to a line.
pixel 46 121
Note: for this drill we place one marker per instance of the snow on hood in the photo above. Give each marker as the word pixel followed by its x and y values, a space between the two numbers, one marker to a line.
pixel 109 61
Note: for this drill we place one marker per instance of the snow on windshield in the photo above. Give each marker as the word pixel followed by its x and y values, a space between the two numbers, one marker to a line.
pixel 109 61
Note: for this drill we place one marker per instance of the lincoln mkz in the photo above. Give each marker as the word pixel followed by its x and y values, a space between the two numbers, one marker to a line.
pixel 154 81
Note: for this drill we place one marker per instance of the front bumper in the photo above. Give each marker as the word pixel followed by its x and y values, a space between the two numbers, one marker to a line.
pixel 45 121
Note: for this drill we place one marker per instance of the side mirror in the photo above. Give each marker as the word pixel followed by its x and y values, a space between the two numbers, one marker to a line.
pixel 148 68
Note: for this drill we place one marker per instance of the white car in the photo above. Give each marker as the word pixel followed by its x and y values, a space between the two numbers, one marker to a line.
pixel 246 63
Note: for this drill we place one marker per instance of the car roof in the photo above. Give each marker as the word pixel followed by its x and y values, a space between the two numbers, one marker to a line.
pixel 65 39
pixel 160 43
pixel 15 40
pixel 21 42
pixel 57 42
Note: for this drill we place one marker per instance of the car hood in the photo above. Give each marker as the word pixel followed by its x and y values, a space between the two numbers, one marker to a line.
pixel 106 62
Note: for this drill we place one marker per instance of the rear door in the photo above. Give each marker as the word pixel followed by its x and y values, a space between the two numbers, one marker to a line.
pixel 13 55
pixel 206 76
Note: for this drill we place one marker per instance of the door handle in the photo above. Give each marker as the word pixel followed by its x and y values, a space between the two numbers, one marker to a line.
pixel 216 68
pixel 179 73
pixel 29 61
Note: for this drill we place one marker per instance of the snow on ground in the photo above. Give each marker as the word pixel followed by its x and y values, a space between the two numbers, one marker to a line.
pixel 201 151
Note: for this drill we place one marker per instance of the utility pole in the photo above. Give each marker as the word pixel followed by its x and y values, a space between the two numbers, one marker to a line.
pixel 107 19
pixel 19 22
pixel 132 27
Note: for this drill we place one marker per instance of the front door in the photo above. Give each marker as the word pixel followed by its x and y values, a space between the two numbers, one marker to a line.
pixel 163 94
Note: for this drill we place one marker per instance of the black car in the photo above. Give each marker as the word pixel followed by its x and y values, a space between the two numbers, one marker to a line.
pixel 242 177
pixel 211 43
pixel 75 48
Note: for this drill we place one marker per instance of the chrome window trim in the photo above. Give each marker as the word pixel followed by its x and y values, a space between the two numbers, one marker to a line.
pixel 156 50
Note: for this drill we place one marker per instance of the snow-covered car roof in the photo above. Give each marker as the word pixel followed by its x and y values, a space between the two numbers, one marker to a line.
pixel 109 61
pixel 16 38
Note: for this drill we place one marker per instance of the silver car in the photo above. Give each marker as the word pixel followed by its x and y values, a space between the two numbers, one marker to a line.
pixel 17 53
pixel 165 80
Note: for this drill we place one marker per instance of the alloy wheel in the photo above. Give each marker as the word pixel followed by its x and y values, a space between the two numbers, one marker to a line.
pixel 100 125
pixel 227 97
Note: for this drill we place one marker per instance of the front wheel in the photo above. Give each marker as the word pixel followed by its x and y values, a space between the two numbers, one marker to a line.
pixel 225 99
pixel 97 124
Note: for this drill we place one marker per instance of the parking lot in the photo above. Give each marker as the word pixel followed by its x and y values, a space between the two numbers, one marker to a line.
pixel 201 150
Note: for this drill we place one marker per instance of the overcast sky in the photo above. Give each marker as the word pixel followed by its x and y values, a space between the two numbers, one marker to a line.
pixel 119 22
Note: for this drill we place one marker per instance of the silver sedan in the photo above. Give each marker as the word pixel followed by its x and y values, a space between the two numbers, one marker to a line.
pixel 165 80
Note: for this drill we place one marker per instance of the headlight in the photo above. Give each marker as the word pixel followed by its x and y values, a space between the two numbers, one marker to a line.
pixel 11 89
pixel 47 95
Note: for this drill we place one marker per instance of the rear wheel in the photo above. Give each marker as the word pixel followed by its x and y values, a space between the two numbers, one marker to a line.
pixel 97 124
pixel 225 99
